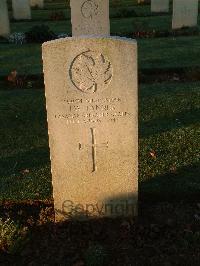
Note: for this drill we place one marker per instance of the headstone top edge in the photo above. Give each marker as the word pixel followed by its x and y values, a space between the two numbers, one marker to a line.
pixel 91 37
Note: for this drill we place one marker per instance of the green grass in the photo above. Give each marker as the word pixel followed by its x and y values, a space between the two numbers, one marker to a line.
pixel 157 53
pixel 56 26
pixel 129 24
pixel 26 59
pixel 169 126
pixel 169 150
pixel 160 53
pixel 142 19
pixel 169 112
pixel 62 4
pixel 45 14
pixel 24 145
pixel 153 53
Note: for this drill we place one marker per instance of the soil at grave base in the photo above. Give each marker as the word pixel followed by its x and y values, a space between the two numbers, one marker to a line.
pixel 164 234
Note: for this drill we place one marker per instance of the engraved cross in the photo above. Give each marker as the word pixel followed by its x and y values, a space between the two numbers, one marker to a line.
pixel 94 147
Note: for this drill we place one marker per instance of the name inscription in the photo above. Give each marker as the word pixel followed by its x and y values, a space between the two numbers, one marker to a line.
pixel 83 111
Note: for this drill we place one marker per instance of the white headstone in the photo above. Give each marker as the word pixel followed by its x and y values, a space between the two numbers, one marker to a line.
pixel 21 9
pixel 37 3
pixel 90 17
pixel 185 13
pixel 92 105
pixel 4 19
pixel 159 6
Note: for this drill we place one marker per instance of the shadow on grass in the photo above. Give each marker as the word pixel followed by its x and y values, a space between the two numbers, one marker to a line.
pixel 181 185
pixel 166 229
pixel 33 158
pixel 169 122
pixel 163 232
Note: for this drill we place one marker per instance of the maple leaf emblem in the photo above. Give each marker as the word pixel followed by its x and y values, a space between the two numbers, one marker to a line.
pixel 89 9
pixel 90 71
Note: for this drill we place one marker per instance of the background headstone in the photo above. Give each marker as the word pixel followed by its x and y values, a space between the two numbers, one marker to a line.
pixel 159 6
pixel 92 106
pixel 37 3
pixel 90 17
pixel 4 19
pixel 21 9
pixel 185 13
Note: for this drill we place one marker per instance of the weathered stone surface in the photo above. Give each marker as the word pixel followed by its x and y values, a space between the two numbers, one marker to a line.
pixel 4 19
pixel 90 17
pixel 185 13
pixel 92 106
pixel 159 6
pixel 21 9
pixel 37 3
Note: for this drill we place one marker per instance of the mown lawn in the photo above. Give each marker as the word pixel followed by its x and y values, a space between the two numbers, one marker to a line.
pixel 169 112
pixel 167 229
pixel 61 4
pixel 115 11
pixel 169 143
pixel 127 24
pixel 157 53
pixel 124 17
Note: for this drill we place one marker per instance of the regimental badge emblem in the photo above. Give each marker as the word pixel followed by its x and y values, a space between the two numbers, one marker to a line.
pixel 91 71
pixel 89 9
